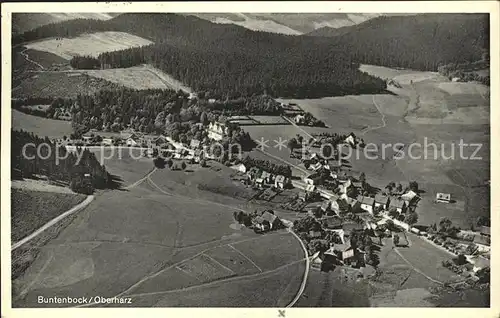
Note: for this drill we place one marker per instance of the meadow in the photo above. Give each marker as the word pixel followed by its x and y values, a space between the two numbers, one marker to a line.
pixel 88 44
pixel 40 126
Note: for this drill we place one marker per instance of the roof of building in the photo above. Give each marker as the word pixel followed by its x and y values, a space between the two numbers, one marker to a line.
pixel 269 217
pixel 259 180
pixel 481 262
pixel 280 178
pixel 443 196
pixel 333 222
pixel 485 230
pixel 195 143
pixel 365 200
pixel 310 188
pixel 380 198
pixel 408 196
pixel 325 205
pixel 479 239
pixel 397 203
pixel 265 174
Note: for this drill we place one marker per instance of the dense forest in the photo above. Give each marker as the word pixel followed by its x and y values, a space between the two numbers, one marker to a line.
pixel 421 42
pixel 227 60
pixel 85 62
pixel 56 163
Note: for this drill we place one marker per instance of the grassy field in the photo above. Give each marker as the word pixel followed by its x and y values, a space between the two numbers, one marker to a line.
pixel 59 84
pixel 40 126
pixel 138 77
pixel 142 240
pixel 88 44
pixel 32 209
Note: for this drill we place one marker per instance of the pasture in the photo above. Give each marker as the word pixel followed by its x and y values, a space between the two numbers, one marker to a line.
pixel 40 126
pixel 141 240
pixel 88 44
pixel 137 77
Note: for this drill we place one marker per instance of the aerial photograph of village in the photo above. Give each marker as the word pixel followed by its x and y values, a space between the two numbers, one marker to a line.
pixel 250 160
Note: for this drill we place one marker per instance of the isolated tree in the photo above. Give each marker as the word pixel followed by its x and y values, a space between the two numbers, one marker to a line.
pixel 461 260
pixel 183 165
pixel 395 239
pixel 362 177
pixel 203 163
pixel 399 187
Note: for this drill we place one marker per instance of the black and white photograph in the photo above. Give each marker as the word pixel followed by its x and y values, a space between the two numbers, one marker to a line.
pixel 247 159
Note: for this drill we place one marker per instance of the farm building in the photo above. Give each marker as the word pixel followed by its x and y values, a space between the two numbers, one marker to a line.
pixel 261 224
pixel 281 181
pixel 217 131
pixel 381 200
pixel 316 166
pixel 241 168
pixel 366 203
pixel 409 197
pixel 107 141
pixel 87 138
pixel 397 204
pixel 443 197
pixel 273 220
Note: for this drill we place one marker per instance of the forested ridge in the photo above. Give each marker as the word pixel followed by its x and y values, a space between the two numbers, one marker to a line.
pixel 227 60
pixel 421 42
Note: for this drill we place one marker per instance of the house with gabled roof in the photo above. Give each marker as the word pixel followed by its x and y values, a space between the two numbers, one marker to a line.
pixel 381 200
pixel 217 131
pixel 397 204
pixel 281 181
pixel 366 203
pixel 273 220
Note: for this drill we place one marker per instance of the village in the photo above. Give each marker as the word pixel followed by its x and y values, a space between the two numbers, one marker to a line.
pixel 340 217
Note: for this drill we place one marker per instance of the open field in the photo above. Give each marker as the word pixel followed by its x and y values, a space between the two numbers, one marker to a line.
pixel 32 209
pixel 59 84
pixel 40 126
pixel 428 109
pixel 137 77
pixel 88 44
pixel 141 240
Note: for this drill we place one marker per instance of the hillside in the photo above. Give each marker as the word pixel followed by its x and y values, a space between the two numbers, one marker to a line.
pixel 22 22
pixel 287 23
pixel 330 32
pixel 420 42
pixel 226 59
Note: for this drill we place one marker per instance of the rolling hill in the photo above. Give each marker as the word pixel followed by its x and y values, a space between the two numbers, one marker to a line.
pixel 22 22
pixel 420 42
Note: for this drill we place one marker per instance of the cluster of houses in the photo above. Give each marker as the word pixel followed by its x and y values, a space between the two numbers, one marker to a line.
pixel 261 178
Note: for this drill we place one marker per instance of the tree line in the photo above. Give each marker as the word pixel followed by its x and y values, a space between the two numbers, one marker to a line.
pixel 56 163
pixel 268 166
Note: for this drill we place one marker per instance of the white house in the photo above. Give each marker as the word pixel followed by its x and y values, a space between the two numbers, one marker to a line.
pixel 381 200
pixel 409 196
pixel 316 166
pixel 350 140
pixel 107 141
pixel 443 197
pixel 131 141
pixel 311 188
pixel 366 203
pixel 309 181
pixel 192 96
pixel 217 131
pixel 281 181
pixel 259 182
pixel 241 168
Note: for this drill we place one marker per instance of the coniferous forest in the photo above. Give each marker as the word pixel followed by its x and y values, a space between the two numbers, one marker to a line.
pixel 32 155
pixel 231 61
